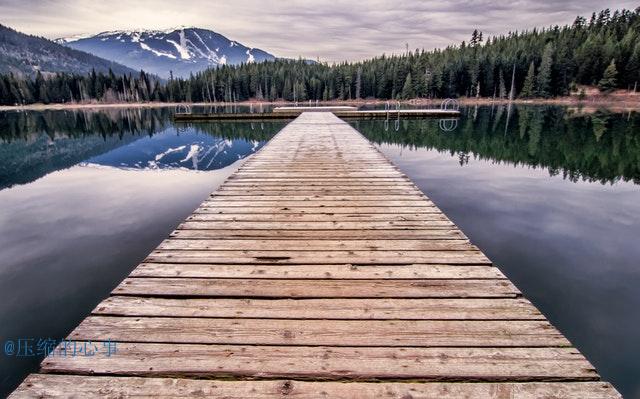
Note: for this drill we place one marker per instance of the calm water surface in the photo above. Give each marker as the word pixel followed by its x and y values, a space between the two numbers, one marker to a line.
pixel 85 196
pixel 551 195
pixel 553 198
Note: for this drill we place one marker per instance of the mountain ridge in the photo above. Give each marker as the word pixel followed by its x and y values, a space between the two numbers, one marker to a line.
pixel 175 51
pixel 25 54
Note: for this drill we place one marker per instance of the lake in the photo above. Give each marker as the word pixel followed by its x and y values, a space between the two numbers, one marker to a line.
pixel 550 194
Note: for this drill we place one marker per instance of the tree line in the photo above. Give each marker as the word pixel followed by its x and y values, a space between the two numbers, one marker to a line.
pixel 603 50
pixel 68 87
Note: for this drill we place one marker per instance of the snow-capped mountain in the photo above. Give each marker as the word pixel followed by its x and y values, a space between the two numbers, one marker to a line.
pixel 182 50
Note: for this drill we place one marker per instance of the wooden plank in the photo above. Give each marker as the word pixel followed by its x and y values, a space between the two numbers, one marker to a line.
pixel 319 257
pixel 335 225
pixel 345 308
pixel 222 203
pixel 325 245
pixel 237 181
pixel 298 167
pixel 318 271
pixel 305 288
pixel 312 197
pixel 362 193
pixel 58 386
pixel 329 257
pixel 318 174
pixel 301 217
pixel 362 210
pixel 366 333
pixel 425 364
pixel 185 231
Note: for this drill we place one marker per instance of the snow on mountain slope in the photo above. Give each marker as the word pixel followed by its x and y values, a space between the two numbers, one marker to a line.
pixel 182 51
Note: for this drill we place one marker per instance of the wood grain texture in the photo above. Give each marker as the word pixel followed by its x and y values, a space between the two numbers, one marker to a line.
pixel 367 333
pixel 315 235
pixel 318 271
pixel 310 362
pixel 325 309
pixel 57 386
pixel 325 245
pixel 307 288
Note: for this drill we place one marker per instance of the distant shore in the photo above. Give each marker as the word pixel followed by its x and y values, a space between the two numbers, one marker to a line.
pixel 620 101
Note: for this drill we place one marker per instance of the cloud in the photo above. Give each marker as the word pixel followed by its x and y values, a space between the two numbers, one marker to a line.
pixel 340 30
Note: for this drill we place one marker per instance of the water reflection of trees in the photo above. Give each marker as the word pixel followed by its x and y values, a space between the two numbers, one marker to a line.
pixel 233 130
pixel 30 125
pixel 80 123
pixel 600 146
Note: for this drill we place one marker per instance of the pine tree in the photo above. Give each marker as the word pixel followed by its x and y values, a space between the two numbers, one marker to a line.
pixel 502 89
pixel 287 90
pixel 474 38
pixel 632 69
pixel 608 83
pixel 528 90
pixel 407 89
pixel 544 74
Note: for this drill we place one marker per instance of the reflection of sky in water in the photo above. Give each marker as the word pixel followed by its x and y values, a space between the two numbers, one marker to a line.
pixel 67 239
pixel 570 247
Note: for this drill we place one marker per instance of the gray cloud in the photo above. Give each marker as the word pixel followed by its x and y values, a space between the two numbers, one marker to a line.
pixel 336 31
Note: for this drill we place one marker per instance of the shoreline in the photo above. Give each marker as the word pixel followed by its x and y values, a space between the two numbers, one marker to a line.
pixel 614 102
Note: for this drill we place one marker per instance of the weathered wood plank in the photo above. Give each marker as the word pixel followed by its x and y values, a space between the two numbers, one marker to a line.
pixel 320 183
pixel 317 271
pixel 346 187
pixel 468 257
pixel 222 203
pixel 185 231
pixel 359 258
pixel 345 308
pixel 319 174
pixel 315 197
pixel 326 217
pixel 58 386
pixel 426 364
pixel 290 288
pixel 335 225
pixel 325 245
pixel 362 210
pixel 235 179
pixel 366 333
pixel 363 194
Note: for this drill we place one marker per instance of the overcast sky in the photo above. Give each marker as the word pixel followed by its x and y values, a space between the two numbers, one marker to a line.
pixel 334 31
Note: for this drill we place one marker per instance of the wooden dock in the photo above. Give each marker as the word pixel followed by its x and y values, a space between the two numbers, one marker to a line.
pixel 319 270
pixel 317 108
pixel 342 112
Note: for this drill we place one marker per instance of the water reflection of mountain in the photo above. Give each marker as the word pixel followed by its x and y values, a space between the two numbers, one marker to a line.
pixel 600 147
pixel 33 144
pixel 169 150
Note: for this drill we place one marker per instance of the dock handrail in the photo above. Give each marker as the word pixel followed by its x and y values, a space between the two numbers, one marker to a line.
pixel 455 105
